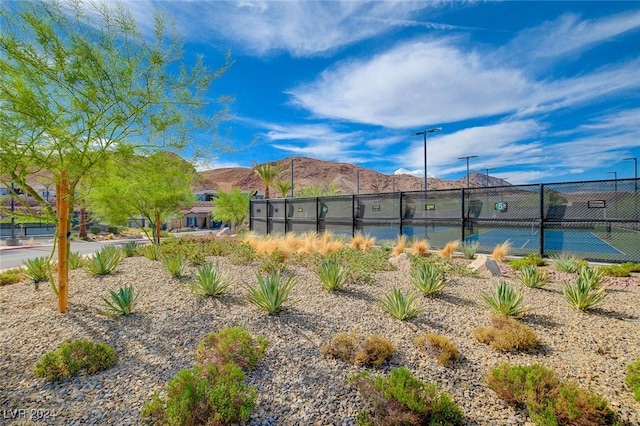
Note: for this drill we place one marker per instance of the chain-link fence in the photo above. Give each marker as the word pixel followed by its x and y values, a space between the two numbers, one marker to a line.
pixel 597 220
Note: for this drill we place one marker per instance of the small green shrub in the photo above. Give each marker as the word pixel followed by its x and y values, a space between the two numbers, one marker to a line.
pixel 271 292
pixel 586 291
pixel 429 279
pixel 11 276
pixel 532 259
pixel 150 251
pixel 332 276
pixel 196 258
pixel 72 357
pixel 76 260
pixel 209 281
pixel 633 378
pixel 274 262
pixel 505 300
pixel 130 249
pixel 621 270
pixel 233 344
pixel 439 345
pixel 113 230
pixel 38 269
pixel 175 264
pixel 400 306
pixel 533 277
pixel 95 230
pixel 469 249
pixel 506 334
pixel 121 303
pixel 372 351
pixel 212 395
pixel 548 400
pixel 568 263
pixel 105 261
pixel 401 399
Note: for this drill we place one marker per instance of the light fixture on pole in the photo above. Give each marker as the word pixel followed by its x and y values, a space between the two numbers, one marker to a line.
pixel 424 133
pixel 467 157
pixel 635 171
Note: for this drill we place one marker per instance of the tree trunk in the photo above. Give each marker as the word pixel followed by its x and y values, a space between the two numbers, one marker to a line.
pixel 83 223
pixel 62 202
pixel 158 227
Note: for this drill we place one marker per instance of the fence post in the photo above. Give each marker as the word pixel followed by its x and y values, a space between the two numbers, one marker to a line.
pixel 353 215
pixel 286 219
pixel 318 215
pixel 541 231
pixel 266 207
pixel 400 212
pixel 464 221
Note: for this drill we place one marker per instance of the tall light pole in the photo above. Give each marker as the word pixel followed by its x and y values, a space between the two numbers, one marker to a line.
pixel 615 180
pixel 291 177
pixel 635 171
pixel 424 133
pixel 486 181
pixel 467 157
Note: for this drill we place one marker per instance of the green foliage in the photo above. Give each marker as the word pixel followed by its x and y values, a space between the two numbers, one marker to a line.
pixel 11 276
pixel 633 378
pixel 233 344
pixel 121 303
pixel 231 207
pixel 532 259
pixel 175 264
pixel 130 249
pixel 209 281
pixel 38 269
pixel 448 266
pixel 532 277
pixel 283 187
pixel 272 263
pixel 372 350
pixel 332 276
pixel 72 357
pixel 105 261
pixel 401 399
pixel 400 306
pixel 95 230
pixel 428 278
pixel 76 260
pixel 586 291
pixel 438 344
pixel 268 173
pixel 568 263
pixel 271 292
pixel 469 249
pixel 505 300
pixel 360 264
pixel 150 251
pixel 212 395
pixel 506 334
pixel 548 400
pixel 313 190
pixel 242 254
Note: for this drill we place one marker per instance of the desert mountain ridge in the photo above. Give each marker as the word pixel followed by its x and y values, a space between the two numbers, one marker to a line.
pixel 308 171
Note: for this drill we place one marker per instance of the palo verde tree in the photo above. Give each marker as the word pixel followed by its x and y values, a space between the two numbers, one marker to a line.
pixel 79 82
pixel 152 187
pixel 268 173
pixel 232 207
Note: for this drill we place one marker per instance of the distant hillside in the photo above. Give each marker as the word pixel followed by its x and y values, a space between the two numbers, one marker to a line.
pixel 308 171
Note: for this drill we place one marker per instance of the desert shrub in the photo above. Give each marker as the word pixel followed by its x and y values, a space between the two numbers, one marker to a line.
pixel 469 249
pixel 506 334
pixel 368 243
pixel 633 378
pixel 196 258
pixel 585 292
pixel 501 251
pixel 548 400
pixel 621 270
pixel 332 276
pixel 399 305
pixel 567 263
pixel 532 277
pixel 121 303
pixel 505 300
pixel 214 395
pixel 231 344
pixel 272 263
pixel 175 264
pixel 448 249
pixel 113 230
pixel 242 253
pixel 209 281
pixel 439 345
pixel 73 357
pixel 372 350
pixel 532 259
pixel 428 278
pixel 401 399
pixel 38 269
pixel 360 264
pixel 271 292
pixel 11 276
pixel 130 249
pixel 357 240
pixel 420 248
pixel 150 251
pixel 76 260
pixel 105 261
pixel 400 245
pixel 95 230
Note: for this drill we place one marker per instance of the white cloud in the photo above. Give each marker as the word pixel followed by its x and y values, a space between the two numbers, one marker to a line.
pixel 417 173
pixel 217 164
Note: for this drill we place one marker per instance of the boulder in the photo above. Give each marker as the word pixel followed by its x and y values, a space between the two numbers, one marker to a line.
pixel 485 266
pixel 226 231
pixel 400 261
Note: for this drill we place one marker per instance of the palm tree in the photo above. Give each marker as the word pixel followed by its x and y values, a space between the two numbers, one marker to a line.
pixel 283 187
pixel 268 173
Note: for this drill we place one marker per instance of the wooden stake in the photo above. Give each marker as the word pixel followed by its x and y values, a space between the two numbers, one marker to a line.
pixel 62 198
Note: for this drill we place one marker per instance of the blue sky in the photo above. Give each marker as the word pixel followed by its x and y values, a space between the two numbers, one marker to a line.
pixel 539 91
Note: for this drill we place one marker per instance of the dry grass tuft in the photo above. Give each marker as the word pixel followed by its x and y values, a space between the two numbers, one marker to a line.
pixel 438 344
pixel 327 243
pixel 501 251
pixel 401 245
pixel 368 243
pixel 357 240
pixel 373 350
pixel 506 334
pixel 448 249
pixel 420 248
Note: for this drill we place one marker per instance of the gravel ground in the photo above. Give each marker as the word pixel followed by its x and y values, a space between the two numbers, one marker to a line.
pixel 296 384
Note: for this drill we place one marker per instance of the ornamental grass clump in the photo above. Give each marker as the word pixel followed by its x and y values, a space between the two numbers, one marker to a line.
pixel 506 334
pixel 122 302
pixel 150 251
pixel 505 300
pixel 420 248
pixel 501 251
pixel 38 269
pixel 371 351
pixel 130 249
pixel 633 378
pixel 175 264
pixel 105 261
pixel 271 292
pixel 209 281
pixel 533 277
pixel 76 260
pixel 231 344
pixel 400 245
pixel 428 278
pixel 332 275
pixel 438 345
pixel 12 276
pixel 401 399
pixel 401 306
pixel 74 357
pixel 586 291
pixel 447 251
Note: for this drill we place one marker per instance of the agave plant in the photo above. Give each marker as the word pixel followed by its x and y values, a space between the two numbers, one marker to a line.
pixel 533 277
pixel 105 261
pixel 567 263
pixel 38 269
pixel 175 264
pixel 582 294
pixel 209 281
pixel 429 279
pixel 505 300
pixel 332 276
pixel 150 251
pixel 469 249
pixel 76 260
pixel 271 292
pixel 592 277
pixel 121 303
pixel 130 248
pixel 400 306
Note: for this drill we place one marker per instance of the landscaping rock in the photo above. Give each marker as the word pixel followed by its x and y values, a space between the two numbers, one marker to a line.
pixel 485 266
pixel 400 261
